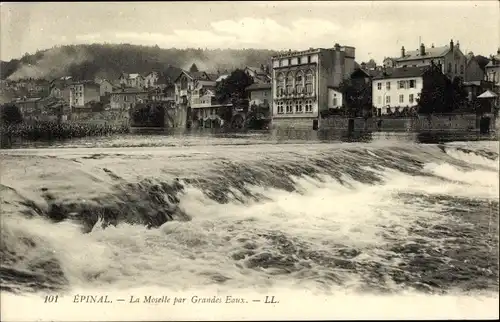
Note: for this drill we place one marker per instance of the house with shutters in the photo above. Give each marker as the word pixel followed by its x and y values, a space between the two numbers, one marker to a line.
pixel 451 59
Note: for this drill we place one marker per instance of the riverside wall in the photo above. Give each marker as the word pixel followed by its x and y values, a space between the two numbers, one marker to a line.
pixel 451 122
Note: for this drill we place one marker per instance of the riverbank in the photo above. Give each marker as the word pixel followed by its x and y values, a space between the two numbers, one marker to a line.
pixel 48 131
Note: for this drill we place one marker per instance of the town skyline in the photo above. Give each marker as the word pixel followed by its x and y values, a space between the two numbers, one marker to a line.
pixel 375 29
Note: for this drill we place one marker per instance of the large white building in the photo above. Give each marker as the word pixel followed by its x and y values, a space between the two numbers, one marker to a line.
pixel 397 88
pixel 302 81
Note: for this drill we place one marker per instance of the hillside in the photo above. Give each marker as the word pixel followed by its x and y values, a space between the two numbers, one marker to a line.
pixel 109 61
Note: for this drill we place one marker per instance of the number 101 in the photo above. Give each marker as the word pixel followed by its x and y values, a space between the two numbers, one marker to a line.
pixel 51 299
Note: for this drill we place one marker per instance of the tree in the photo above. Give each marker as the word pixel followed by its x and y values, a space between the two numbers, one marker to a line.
pixel 233 88
pixel 357 96
pixel 11 114
pixel 439 94
pixel 193 68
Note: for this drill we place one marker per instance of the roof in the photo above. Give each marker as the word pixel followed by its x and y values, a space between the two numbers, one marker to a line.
pixel 206 83
pixel 371 73
pixel 27 100
pixel 171 72
pixel 432 52
pixel 494 61
pixel 129 90
pixel 487 94
pixel 132 76
pixel 335 88
pixel 221 77
pixel 212 76
pixel 472 83
pixel 402 72
pixel 258 86
pixel 196 75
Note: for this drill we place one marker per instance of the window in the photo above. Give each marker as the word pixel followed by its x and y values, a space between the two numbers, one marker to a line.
pixel 461 69
pixel 289 83
pixel 299 107
pixel 280 107
pixel 388 110
pixel 281 84
pixel 298 60
pixel 379 86
pixel 309 77
pixel 125 98
pixel 299 83
pixel 401 98
pixel 410 98
pixel 387 100
pixel 289 108
pixel 309 108
pixel 289 61
pixel 308 59
pixel 412 83
pixel 401 84
pixel 309 82
pixel 281 63
pixel 388 85
pixel 379 100
pixel 449 67
pixel 335 100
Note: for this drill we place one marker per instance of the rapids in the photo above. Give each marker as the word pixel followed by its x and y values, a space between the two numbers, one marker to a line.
pixel 381 218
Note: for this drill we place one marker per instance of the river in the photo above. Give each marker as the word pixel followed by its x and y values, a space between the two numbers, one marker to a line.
pixel 380 225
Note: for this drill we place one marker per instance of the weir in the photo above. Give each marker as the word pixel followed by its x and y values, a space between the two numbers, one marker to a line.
pixel 245 217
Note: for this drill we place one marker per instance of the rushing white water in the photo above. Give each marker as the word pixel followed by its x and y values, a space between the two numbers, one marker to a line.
pixel 405 230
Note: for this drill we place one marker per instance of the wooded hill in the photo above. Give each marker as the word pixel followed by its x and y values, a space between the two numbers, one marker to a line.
pixel 110 60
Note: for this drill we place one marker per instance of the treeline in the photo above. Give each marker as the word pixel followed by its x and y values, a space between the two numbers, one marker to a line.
pixel 110 60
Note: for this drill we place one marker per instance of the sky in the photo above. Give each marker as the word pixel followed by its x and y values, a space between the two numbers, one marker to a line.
pixel 377 29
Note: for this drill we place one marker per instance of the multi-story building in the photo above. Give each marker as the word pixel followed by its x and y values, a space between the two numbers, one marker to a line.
pixel 204 105
pixel 450 57
pixel 473 71
pixel 151 79
pixel 259 94
pixel 493 70
pixel 185 84
pixel 81 93
pixel 127 98
pixel 105 87
pixel 389 62
pixel 301 82
pixel 259 75
pixel 132 80
pixel 43 109
pixel 400 88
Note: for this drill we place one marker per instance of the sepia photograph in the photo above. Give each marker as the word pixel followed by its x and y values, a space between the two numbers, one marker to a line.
pixel 253 160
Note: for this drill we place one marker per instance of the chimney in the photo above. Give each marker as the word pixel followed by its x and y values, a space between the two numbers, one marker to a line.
pixel 403 51
pixel 337 46
pixel 451 44
pixel 422 50
pixel 458 45
pixel 432 45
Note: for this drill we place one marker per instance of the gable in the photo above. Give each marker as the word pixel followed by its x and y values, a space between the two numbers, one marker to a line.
pixel 185 74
